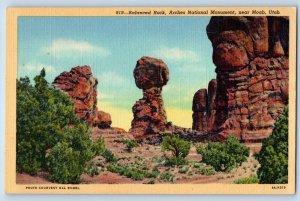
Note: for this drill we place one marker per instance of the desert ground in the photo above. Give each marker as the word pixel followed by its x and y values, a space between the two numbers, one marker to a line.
pixel 151 157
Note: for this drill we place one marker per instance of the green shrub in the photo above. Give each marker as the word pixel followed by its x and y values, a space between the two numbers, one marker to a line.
pixel 207 170
pixel 67 159
pixel 92 169
pixel 155 172
pixel 175 161
pixel 197 165
pixel 151 181
pixel 282 180
pixel 178 147
pixel 98 146
pixel 79 139
pixel 273 157
pixel 183 170
pixel 130 144
pixel 126 171
pixel 202 168
pixel 152 174
pixel 247 180
pixel 29 158
pixel 224 156
pixel 109 156
pixel 49 135
pixel 65 165
pixel 42 112
pixel 157 159
pixel 167 176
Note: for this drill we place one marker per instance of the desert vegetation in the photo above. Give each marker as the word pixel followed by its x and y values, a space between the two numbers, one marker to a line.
pixel 130 144
pixel 224 156
pixel 179 149
pixel 273 156
pixel 247 180
pixel 49 136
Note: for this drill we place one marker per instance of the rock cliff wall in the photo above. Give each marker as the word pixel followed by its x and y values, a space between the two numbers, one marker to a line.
pixel 251 89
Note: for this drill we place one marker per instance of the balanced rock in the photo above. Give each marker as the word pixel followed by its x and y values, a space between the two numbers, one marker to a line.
pixel 150 117
pixel 251 58
pixel 81 85
pixel 150 73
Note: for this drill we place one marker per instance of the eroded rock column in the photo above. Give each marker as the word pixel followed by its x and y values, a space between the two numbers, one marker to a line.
pixel 200 110
pixel 150 117
pixel 204 110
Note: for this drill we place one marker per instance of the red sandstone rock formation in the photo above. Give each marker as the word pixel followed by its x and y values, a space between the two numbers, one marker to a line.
pixel 204 109
pixel 251 58
pixel 150 75
pixel 102 120
pixel 200 116
pixel 81 85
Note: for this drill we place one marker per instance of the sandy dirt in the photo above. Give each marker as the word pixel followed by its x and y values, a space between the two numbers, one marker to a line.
pixel 150 157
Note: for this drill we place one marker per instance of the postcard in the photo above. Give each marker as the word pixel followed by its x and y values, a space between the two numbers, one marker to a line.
pixel 151 100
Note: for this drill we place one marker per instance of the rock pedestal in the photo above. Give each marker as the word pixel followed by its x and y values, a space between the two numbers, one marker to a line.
pixel 150 75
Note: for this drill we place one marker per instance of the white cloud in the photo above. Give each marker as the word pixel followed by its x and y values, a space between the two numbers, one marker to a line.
pixel 183 59
pixel 171 88
pixel 195 67
pixel 104 95
pixel 37 67
pixel 111 78
pixel 60 47
pixel 103 105
pixel 176 54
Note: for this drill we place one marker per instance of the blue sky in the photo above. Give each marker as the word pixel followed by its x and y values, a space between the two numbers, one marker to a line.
pixel 111 46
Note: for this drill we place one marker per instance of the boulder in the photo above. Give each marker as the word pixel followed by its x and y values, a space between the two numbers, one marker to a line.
pixel 150 72
pixel 102 120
